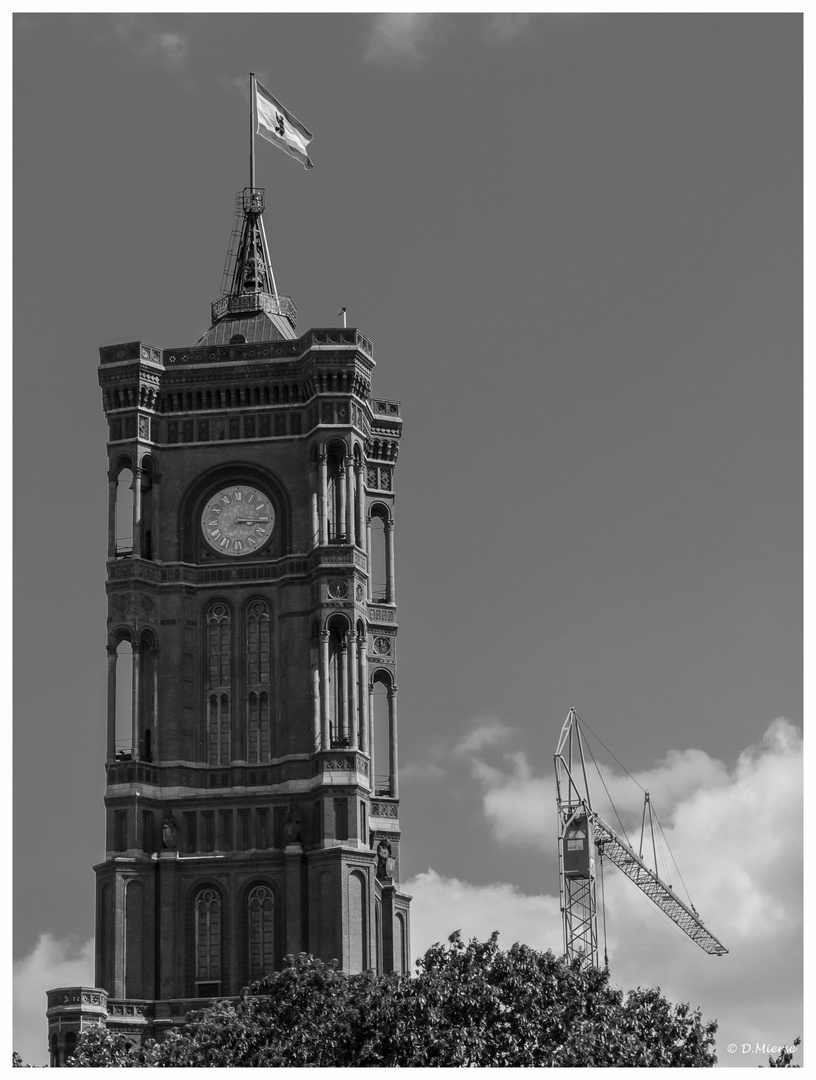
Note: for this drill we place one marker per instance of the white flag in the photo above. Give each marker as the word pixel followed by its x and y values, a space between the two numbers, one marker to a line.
pixel 281 127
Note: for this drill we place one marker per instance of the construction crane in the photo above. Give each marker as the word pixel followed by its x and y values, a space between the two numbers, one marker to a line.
pixel 584 840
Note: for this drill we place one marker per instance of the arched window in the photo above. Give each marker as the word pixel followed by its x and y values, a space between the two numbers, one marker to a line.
pixel 337 696
pixel 207 943
pixel 258 682
pixel 123 721
pixel 123 522
pixel 261 932
pixel 336 492
pixel 218 679
pixel 380 732
pixel 378 556
pixel 258 644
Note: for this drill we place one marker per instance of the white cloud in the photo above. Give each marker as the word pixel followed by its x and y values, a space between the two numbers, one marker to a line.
pixel 421 770
pixel 141 34
pixel 51 963
pixel 399 37
pixel 736 835
pixel 486 732
pixel 739 846
pixel 441 905
pixel 170 50
pixel 503 28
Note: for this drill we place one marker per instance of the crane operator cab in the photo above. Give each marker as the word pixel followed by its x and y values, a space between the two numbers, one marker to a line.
pixel 579 847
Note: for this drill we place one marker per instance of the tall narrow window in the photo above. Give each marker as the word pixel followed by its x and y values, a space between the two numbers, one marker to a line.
pixel 225 818
pixel 261 932
pixel 120 841
pixel 258 644
pixel 341 819
pixel 262 827
pixel 218 678
pixel 259 741
pixel 208 831
pixel 207 942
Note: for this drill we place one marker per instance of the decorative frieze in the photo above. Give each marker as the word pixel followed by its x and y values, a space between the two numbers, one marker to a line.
pixel 378 614
pixel 128 569
pixel 346 763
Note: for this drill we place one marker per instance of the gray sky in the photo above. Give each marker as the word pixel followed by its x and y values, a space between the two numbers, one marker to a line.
pixel 575 241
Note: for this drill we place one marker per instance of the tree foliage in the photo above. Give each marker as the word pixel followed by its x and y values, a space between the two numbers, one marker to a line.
pixel 784 1059
pixel 468 1004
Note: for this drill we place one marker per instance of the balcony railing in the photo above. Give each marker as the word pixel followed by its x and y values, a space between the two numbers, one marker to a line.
pixel 245 303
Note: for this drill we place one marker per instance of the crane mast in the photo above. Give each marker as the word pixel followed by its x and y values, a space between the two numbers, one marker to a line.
pixel 584 838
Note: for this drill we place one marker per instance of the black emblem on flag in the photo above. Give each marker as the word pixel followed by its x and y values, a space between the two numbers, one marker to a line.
pixel 279 125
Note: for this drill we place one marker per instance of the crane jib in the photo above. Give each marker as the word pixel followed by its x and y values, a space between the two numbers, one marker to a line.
pixel 650 884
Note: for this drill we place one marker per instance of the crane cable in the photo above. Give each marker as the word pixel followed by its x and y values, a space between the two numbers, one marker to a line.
pixel 614 808
pixel 606 789
pixel 676 867
pixel 603 744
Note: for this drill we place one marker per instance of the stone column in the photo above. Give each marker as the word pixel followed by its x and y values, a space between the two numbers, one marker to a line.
pixel 352 686
pixel 392 740
pixel 315 520
pixel 342 687
pixel 340 524
pixel 316 738
pixel 362 677
pixel 324 687
pixel 359 476
pixel 324 501
pixel 368 553
pixel 389 560
pixel 348 520
pixel 137 512
pixel 111 751
pixel 135 702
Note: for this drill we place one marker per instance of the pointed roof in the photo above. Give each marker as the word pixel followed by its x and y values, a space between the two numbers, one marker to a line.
pixel 250 307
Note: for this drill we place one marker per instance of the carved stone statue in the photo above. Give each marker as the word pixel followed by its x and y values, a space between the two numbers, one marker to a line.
pixel 291 827
pixel 169 832
pixel 385 863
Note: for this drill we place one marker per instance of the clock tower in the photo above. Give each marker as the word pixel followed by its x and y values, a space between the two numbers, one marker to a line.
pixel 252 801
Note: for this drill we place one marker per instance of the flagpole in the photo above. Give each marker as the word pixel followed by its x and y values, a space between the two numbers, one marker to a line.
pixel 252 126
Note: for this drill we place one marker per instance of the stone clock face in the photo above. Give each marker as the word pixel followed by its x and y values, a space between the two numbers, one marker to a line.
pixel 238 520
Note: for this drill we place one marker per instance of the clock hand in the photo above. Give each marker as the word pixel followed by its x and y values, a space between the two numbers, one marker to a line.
pixel 250 521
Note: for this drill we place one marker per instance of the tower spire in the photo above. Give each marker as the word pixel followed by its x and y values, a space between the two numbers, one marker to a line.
pixel 250 305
